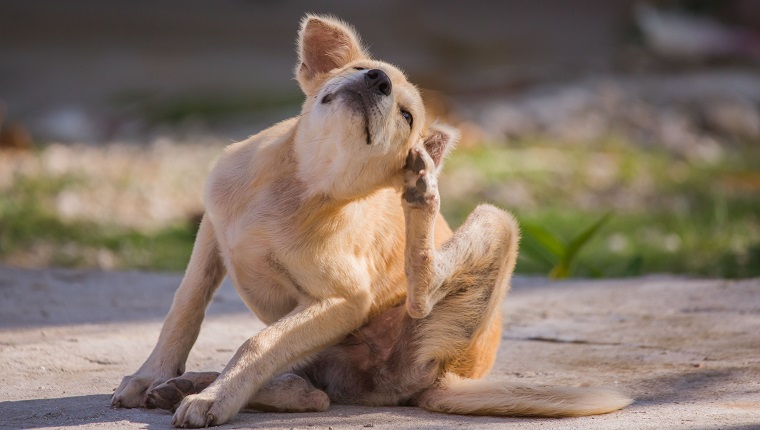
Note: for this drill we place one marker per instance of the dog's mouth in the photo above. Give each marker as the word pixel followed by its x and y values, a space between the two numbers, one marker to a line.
pixel 365 117
pixel 357 102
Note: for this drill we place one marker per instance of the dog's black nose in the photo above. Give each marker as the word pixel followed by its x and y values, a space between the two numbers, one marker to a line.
pixel 378 82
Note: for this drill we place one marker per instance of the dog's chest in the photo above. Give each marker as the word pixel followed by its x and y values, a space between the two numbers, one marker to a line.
pixel 276 260
pixel 282 249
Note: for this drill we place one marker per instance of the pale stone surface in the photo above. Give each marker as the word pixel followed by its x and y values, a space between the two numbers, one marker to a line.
pixel 687 350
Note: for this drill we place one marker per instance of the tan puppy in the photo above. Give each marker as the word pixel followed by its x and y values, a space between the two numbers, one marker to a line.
pixel 327 224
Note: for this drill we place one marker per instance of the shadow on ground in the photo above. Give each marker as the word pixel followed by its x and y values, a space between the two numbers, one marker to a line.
pixel 55 297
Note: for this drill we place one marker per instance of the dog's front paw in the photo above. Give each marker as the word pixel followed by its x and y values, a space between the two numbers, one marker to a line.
pixel 203 410
pixel 132 392
pixel 420 182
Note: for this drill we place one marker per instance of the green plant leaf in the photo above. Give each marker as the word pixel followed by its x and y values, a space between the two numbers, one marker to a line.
pixel 582 239
pixel 544 238
pixel 562 269
pixel 634 267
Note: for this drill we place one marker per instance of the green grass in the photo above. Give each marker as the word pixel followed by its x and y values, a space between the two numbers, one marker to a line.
pixel 30 232
pixel 669 212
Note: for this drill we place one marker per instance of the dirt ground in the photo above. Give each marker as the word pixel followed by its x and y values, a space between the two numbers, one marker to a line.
pixel 687 350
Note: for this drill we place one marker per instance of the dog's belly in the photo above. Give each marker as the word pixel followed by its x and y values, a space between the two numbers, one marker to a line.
pixel 374 365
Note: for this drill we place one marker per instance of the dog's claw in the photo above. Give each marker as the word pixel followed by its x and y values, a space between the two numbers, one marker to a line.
pixel 419 163
pixel 149 402
pixel 409 161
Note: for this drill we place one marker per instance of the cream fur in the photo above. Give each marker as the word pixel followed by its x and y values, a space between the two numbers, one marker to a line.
pixel 308 220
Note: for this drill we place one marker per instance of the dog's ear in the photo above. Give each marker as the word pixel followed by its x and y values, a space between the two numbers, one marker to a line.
pixel 439 140
pixel 324 43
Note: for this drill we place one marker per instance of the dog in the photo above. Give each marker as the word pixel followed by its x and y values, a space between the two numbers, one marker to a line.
pixel 328 225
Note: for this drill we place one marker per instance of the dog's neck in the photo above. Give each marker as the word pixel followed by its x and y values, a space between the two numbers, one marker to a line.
pixel 328 171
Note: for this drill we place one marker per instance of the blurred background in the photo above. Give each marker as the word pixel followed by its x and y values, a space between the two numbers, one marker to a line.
pixel 625 135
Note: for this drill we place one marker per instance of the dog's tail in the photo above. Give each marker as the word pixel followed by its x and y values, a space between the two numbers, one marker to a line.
pixel 455 395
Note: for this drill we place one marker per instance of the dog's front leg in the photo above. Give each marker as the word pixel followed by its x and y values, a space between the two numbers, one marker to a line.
pixel 181 327
pixel 309 328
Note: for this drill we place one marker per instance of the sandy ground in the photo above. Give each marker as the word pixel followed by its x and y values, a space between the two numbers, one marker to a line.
pixel 687 350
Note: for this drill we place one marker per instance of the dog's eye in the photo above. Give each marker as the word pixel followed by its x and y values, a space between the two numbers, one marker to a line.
pixel 360 68
pixel 407 116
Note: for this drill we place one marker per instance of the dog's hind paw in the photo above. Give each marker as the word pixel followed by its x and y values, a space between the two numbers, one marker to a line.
pixel 420 182
pixel 132 392
pixel 169 394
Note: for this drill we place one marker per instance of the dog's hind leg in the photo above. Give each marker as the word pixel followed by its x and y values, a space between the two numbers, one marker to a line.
pixel 289 393
pixel 456 292
pixel 181 326
pixel 480 255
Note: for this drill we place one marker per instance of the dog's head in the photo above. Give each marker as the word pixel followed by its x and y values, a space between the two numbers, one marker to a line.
pixel 361 116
